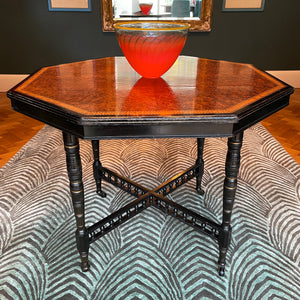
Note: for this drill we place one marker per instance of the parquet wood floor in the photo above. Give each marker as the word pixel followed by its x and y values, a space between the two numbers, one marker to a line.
pixel 285 126
pixel 16 129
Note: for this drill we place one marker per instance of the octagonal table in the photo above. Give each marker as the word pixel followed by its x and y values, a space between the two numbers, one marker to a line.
pixel 105 99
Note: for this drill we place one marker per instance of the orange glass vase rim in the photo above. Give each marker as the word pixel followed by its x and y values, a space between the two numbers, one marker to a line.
pixel 175 26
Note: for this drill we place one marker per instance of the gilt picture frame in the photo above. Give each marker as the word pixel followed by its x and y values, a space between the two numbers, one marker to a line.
pixel 202 24
pixel 243 5
pixel 69 5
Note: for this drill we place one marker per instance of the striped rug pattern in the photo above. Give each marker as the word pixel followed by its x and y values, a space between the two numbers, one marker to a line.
pixel 153 256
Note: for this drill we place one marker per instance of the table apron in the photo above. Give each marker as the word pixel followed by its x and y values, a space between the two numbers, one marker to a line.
pixel 157 130
pixel 111 130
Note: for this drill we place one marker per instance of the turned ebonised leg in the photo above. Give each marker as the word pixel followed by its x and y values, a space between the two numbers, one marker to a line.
pixel 230 184
pixel 97 168
pixel 76 186
pixel 200 165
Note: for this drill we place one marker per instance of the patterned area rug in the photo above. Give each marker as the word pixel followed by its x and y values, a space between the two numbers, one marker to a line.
pixel 153 256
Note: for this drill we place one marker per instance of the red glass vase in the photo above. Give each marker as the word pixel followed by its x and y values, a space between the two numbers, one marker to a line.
pixel 151 48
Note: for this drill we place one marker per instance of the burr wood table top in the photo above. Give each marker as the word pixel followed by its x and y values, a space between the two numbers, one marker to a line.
pixel 105 98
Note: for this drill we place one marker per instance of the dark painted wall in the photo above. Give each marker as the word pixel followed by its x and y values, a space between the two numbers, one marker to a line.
pixel 32 37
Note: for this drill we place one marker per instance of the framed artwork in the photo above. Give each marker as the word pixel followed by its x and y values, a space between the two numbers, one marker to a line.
pixel 69 5
pixel 243 5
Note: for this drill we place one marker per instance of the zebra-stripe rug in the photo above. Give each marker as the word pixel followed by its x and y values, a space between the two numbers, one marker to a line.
pixel 153 256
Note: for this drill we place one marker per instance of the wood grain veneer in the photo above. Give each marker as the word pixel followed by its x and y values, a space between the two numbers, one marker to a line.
pixel 109 87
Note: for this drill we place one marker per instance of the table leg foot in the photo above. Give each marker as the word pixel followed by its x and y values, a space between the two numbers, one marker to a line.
pixel 221 270
pixel 224 242
pixel 200 191
pixel 97 169
pixel 83 244
pixel 101 194
pixel 85 266
pixel 200 165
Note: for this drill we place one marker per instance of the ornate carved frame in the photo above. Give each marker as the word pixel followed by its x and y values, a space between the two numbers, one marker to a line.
pixel 203 24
